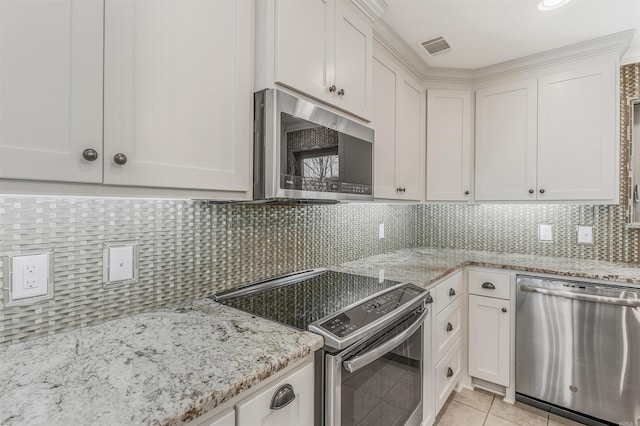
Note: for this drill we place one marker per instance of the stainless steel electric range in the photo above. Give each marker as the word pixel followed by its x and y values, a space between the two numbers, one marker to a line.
pixel 370 370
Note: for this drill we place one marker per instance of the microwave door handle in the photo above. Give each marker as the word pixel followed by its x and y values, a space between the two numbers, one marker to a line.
pixel 354 364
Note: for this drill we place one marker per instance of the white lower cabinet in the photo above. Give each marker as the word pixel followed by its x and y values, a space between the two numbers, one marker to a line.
pixel 257 410
pixel 447 375
pixel 448 329
pixel 490 327
pixel 286 399
pixel 446 343
pixel 226 418
pixel 489 339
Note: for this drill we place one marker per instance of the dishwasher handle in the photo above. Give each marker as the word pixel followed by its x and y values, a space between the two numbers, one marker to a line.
pixel 583 297
pixel 356 363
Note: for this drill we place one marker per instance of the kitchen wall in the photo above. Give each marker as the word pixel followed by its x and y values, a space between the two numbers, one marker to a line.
pixel 190 249
pixel 514 229
pixel 187 249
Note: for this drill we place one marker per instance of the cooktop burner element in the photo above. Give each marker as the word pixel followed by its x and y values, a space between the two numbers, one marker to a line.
pixel 340 306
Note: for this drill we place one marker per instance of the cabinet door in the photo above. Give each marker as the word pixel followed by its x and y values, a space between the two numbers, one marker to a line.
pixel 489 331
pixel 304 46
pixel 299 412
pixel 506 134
pixel 353 52
pixel 449 145
pixel 577 134
pixel 409 140
pixel 384 123
pixel 50 89
pixel 178 93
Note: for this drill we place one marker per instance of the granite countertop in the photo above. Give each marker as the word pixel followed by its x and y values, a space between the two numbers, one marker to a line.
pixel 164 367
pixel 169 366
pixel 424 266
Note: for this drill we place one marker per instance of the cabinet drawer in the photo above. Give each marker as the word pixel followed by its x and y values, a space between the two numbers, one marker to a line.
pixel 449 290
pixel 447 374
pixel 490 284
pixel 448 329
pixel 299 412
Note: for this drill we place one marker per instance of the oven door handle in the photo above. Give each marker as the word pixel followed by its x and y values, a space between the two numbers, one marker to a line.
pixel 356 363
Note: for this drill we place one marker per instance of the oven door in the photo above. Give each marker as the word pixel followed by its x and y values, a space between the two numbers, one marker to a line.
pixel 378 381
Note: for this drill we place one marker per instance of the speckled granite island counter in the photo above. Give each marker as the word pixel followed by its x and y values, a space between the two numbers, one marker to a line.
pixel 164 367
pixel 424 266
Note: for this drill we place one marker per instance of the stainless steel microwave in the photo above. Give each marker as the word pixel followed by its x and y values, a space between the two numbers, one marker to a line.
pixel 304 152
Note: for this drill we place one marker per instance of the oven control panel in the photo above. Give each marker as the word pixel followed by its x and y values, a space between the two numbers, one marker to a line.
pixel 345 323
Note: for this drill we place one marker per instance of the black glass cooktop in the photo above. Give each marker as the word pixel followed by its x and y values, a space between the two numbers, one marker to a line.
pixel 301 303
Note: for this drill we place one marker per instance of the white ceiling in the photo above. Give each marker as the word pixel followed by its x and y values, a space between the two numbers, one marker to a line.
pixel 487 32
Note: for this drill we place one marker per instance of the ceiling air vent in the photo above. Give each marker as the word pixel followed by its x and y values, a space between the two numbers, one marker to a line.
pixel 436 45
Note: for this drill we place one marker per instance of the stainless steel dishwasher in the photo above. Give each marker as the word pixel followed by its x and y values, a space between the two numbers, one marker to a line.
pixel 578 349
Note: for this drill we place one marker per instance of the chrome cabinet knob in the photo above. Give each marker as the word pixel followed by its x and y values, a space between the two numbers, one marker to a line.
pixel 449 327
pixel 120 159
pixel 452 292
pixel 332 88
pixel 90 154
pixel 449 372
pixel 466 193
pixel 488 286
pixel 504 309
pixel 542 191
pixel 531 191
pixel 401 189
pixel 341 92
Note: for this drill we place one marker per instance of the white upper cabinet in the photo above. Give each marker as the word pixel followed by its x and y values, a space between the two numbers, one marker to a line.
pixel 178 98
pixel 302 62
pixel 177 81
pixel 353 53
pixel 553 138
pixel 398 120
pixel 449 145
pixel 577 137
pixel 506 133
pixel 321 48
pixel 51 90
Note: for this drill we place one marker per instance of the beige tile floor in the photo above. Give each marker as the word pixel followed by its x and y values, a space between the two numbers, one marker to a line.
pixel 478 407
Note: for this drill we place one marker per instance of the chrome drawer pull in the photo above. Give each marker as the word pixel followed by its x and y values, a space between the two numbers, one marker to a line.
pixel 488 286
pixel 283 397
pixel 452 292
pixel 449 372
pixel 449 327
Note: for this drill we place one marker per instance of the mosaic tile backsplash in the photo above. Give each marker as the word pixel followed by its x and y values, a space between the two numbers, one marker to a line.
pixel 187 249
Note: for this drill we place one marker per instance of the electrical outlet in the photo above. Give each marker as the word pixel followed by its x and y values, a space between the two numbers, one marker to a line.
pixel 381 276
pixel 381 230
pixel 30 277
pixel 545 232
pixel 585 234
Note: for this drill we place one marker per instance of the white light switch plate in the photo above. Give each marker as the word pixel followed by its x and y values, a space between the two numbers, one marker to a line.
pixel 585 234
pixel 381 230
pixel 545 232
pixel 120 262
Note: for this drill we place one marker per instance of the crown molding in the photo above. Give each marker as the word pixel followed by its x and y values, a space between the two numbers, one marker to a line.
pixel 450 75
pixel 614 43
pixel 399 49
pixel 373 9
